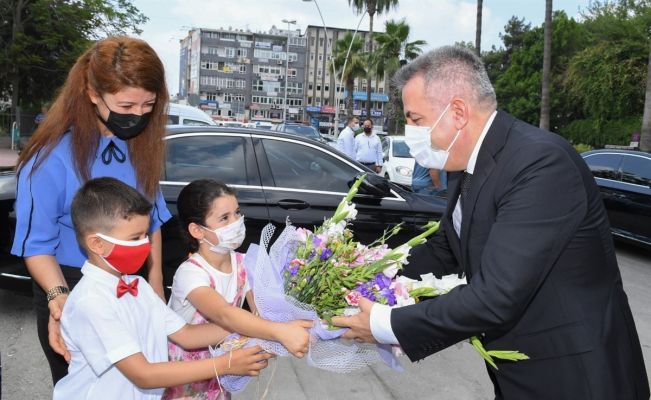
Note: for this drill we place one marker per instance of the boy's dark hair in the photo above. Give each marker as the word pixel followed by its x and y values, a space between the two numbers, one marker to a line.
pixel 100 202
pixel 194 203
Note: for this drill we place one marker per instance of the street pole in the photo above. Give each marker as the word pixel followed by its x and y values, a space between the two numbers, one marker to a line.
pixel 288 22
pixel 332 63
pixel 332 59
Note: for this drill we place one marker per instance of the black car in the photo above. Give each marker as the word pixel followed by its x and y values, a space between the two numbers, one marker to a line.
pixel 279 176
pixel 624 178
pixel 301 130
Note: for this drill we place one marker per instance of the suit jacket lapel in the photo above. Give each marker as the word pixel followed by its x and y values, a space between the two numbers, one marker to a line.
pixel 490 148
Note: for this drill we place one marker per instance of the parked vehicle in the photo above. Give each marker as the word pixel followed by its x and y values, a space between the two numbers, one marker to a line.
pixel 398 164
pixel 301 130
pixel 279 176
pixel 181 114
pixel 624 178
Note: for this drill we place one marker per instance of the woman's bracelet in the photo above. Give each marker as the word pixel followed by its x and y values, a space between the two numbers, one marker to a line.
pixel 55 291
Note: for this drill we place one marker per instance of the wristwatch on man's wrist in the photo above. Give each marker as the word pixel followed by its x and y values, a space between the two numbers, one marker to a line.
pixel 55 291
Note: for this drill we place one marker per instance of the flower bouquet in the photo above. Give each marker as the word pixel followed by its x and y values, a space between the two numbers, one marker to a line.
pixel 318 274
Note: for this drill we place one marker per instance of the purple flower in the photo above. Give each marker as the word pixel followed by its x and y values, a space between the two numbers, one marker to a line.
pixel 293 270
pixel 382 281
pixel 325 254
pixel 364 290
pixel 316 241
pixel 389 295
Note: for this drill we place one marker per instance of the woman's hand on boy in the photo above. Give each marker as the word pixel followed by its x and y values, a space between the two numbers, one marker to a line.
pixel 247 361
pixel 54 326
pixel 295 336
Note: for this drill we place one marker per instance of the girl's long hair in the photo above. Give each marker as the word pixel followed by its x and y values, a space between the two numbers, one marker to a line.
pixel 107 67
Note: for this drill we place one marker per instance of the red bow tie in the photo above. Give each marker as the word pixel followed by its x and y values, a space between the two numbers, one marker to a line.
pixel 131 288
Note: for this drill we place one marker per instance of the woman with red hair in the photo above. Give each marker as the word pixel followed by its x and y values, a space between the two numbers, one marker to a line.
pixel 108 120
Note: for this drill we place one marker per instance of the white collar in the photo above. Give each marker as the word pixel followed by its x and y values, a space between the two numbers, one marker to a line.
pixel 97 274
pixel 475 152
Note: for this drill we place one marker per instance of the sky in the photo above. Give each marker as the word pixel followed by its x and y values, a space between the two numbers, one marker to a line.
pixel 438 22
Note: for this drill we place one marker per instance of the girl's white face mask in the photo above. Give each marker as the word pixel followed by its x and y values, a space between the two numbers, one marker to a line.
pixel 230 236
pixel 419 141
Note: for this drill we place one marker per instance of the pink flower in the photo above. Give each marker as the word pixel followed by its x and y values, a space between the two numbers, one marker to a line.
pixel 352 298
pixel 296 262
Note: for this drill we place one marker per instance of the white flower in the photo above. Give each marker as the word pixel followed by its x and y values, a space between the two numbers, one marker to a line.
pixel 445 284
pixel 404 250
pixel 391 270
pixel 352 211
pixel 401 301
pixel 332 230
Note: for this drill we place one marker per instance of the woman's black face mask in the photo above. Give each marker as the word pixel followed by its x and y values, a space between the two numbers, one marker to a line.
pixel 125 126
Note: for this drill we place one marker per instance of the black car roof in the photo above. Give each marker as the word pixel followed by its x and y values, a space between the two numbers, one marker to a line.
pixel 180 129
pixel 617 151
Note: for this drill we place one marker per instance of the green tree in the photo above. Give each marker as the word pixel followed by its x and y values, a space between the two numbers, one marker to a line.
pixel 41 39
pixel 372 7
pixel 356 64
pixel 393 51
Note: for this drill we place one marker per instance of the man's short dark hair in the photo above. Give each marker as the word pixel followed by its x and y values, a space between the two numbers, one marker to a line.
pixel 351 119
pixel 101 202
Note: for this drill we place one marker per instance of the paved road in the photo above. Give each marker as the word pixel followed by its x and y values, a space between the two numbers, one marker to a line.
pixel 456 373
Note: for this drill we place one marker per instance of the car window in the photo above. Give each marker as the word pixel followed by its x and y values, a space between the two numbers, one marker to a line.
pixel 299 166
pixel 194 122
pixel 604 165
pixel 400 149
pixel 636 170
pixel 172 119
pixel 217 157
pixel 385 146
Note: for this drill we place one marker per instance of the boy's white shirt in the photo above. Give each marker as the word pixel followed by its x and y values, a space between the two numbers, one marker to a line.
pixel 99 330
pixel 189 277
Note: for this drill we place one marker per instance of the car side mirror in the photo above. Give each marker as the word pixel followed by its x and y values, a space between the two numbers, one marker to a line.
pixel 373 185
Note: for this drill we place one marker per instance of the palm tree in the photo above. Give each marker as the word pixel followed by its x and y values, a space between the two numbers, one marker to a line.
pixel 547 66
pixel 372 7
pixel 394 51
pixel 478 28
pixel 645 139
pixel 356 66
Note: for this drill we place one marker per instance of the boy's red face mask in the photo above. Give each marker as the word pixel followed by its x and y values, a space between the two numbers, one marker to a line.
pixel 127 256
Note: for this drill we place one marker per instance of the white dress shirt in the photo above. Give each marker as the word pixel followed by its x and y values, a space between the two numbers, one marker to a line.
pixel 346 142
pixel 101 329
pixel 380 313
pixel 368 149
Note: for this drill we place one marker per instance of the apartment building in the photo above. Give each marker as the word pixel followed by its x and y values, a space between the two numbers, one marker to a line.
pixel 322 93
pixel 238 74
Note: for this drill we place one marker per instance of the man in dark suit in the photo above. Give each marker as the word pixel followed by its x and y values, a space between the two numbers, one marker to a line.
pixel 526 225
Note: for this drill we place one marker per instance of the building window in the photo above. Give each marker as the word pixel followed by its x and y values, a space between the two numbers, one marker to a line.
pixel 257 85
pixel 320 42
pixel 320 57
pixel 319 72
pixel 318 88
pixel 292 72
pixel 230 52
pixel 309 100
pixel 309 86
pixel 312 41
pixel 326 88
pixel 241 52
pixel 211 96
pixel 311 56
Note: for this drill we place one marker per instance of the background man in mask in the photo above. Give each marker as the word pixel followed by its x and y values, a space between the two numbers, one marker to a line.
pixel 368 148
pixel 526 225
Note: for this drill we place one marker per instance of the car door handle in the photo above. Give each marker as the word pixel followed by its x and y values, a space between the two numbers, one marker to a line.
pixel 292 204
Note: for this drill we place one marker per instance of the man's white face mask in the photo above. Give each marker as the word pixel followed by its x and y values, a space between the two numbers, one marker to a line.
pixel 419 141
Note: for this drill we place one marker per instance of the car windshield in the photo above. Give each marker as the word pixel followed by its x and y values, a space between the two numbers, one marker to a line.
pixel 302 130
pixel 400 149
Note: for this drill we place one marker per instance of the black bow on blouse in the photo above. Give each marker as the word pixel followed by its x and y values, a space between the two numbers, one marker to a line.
pixel 113 152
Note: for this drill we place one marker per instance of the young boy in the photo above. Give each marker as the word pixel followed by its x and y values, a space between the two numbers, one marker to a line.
pixel 114 325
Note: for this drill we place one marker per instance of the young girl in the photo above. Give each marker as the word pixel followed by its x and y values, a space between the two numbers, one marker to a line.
pixel 211 285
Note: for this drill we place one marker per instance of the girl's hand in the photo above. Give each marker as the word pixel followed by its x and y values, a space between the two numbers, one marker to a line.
pixel 294 335
pixel 248 361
